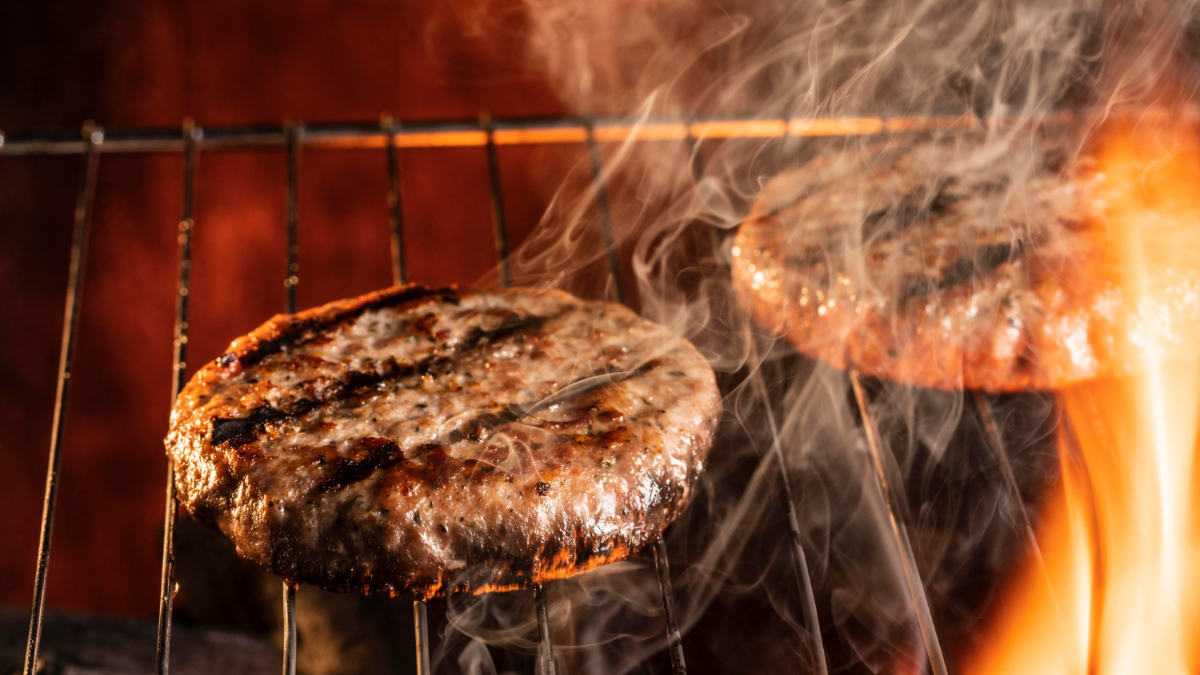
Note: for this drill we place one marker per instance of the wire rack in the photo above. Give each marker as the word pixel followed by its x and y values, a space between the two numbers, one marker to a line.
pixel 390 136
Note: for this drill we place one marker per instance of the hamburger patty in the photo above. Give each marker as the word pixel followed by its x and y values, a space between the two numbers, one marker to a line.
pixel 424 440
pixel 941 262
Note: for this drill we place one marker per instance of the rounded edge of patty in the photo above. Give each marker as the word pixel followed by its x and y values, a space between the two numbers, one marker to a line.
pixel 937 262
pixel 370 537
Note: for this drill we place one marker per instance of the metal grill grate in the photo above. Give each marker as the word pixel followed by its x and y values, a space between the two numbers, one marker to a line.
pixel 391 136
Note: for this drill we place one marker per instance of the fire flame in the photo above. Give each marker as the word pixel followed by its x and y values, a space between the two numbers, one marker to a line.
pixel 1115 590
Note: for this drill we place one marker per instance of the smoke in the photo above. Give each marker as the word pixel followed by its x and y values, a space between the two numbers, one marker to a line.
pixel 1005 66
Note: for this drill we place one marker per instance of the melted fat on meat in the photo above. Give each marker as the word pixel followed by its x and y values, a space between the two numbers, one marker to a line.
pixel 418 440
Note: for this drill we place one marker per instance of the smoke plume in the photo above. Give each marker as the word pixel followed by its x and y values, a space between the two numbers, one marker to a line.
pixel 1001 65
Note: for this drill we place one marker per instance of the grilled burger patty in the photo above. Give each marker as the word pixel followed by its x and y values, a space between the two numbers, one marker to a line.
pixel 424 440
pixel 945 263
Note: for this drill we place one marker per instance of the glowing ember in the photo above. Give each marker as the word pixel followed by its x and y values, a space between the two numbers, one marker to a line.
pixel 1116 591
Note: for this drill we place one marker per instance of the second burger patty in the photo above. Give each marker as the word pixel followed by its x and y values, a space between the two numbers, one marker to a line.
pixel 953 261
pixel 424 440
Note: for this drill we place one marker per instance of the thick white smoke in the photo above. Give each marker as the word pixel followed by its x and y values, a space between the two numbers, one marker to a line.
pixel 1007 63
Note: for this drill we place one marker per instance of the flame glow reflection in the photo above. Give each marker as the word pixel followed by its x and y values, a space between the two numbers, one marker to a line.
pixel 1115 593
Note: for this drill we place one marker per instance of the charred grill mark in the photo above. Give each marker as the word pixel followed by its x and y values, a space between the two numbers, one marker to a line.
pixel 431 467
pixel 985 260
pixel 374 454
pixel 439 466
pixel 481 427
pixel 915 206
pixel 511 325
pixel 337 484
pixel 239 431
pixel 299 332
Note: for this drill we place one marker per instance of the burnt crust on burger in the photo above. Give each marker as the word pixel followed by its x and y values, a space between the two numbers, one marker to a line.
pixel 958 261
pixel 422 440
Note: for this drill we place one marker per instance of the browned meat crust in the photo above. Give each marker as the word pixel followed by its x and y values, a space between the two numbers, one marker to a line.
pixel 948 263
pixel 423 440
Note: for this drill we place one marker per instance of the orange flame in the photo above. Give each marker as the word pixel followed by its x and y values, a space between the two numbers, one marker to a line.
pixel 1116 589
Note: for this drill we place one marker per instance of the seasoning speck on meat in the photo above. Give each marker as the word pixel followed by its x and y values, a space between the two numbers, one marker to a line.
pixel 421 441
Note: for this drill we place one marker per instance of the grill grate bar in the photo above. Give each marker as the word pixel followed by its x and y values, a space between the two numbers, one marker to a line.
pixel 500 222
pixel 294 131
pixel 696 164
pixel 400 276
pixel 546 644
pixel 93 137
pixel 674 638
pixel 499 219
pixel 996 444
pixel 467 133
pixel 661 563
pixel 795 538
pixel 606 223
pixel 395 202
pixel 289 628
pixel 421 629
pixel 908 563
pixel 186 226
pixel 389 135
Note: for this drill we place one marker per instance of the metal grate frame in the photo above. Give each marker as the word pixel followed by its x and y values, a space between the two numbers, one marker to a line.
pixel 390 135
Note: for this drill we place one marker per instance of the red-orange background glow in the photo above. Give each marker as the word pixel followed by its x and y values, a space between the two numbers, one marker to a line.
pixel 131 63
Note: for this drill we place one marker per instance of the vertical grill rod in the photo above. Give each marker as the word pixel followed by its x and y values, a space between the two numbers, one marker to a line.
pixel 674 638
pixel 421 628
pixel 606 223
pixel 1071 441
pixel 996 445
pixel 289 628
pixel 546 646
pixel 395 202
pixel 292 130
pixel 499 221
pixel 908 563
pixel 661 562
pixel 696 163
pixel 400 276
pixel 799 559
pixel 166 595
pixel 92 136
